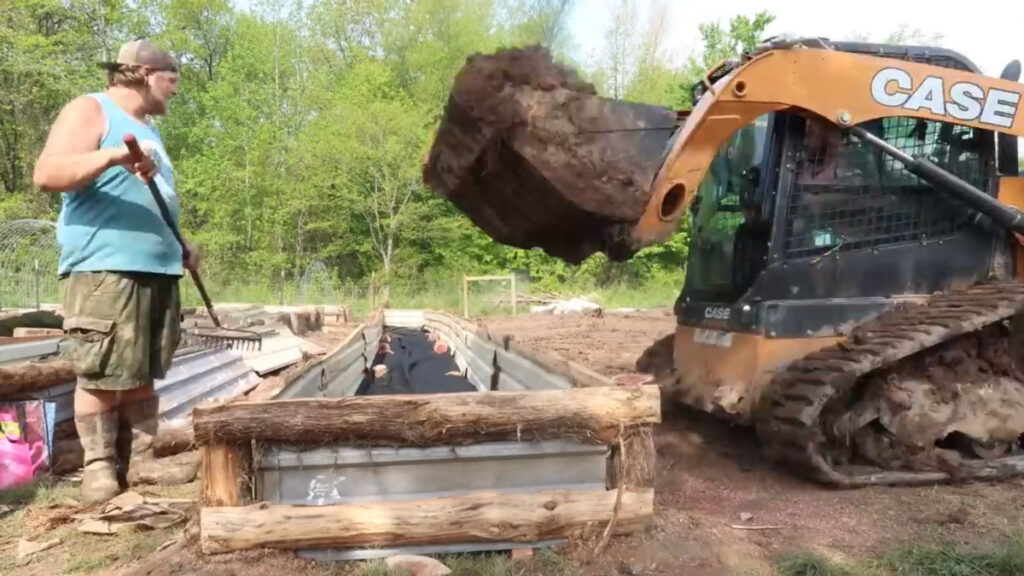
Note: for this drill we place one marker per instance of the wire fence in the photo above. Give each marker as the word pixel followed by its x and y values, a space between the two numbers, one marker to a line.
pixel 29 255
pixel 28 264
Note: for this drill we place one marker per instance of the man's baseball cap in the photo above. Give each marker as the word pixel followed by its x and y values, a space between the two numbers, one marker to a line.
pixel 142 53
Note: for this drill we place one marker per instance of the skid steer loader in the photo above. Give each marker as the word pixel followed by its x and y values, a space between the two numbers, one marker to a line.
pixel 855 279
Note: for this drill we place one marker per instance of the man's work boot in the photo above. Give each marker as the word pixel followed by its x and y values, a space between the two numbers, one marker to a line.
pixel 137 433
pixel 98 435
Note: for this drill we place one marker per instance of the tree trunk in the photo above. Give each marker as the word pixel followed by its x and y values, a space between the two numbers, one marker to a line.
pixel 67 455
pixel 32 376
pixel 173 439
pixel 478 517
pixel 589 415
pixel 632 461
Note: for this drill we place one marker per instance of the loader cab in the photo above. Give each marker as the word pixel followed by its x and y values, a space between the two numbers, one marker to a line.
pixel 801 230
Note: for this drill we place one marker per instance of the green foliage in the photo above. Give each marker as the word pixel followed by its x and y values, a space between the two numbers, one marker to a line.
pixel 743 34
pixel 903 34
pixel 300 129
pixel 810 565
pixel 48 54
pixel 1000 559
pixel 544 22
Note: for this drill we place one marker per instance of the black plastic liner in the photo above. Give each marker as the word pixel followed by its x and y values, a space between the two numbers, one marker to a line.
pixel 413 366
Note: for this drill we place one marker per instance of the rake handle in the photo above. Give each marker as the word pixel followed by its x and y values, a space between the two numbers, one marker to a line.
pixel 137 155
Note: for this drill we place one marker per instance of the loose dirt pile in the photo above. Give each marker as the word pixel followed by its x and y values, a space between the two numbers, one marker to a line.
pixel 535 158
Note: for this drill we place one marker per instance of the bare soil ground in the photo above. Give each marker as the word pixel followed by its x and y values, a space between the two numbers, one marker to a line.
pixel 708 474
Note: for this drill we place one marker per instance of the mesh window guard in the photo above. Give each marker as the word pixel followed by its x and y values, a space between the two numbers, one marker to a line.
pixel 846 195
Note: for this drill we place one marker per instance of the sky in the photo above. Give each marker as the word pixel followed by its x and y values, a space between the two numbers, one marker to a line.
pixel 990 33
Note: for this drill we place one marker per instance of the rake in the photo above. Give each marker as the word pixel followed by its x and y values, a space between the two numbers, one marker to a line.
pixel 220 337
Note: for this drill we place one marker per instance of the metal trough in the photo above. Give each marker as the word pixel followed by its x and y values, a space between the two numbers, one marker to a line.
pixel 340 474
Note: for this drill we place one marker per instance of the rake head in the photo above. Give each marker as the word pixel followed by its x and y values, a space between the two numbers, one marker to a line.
pixel 221 338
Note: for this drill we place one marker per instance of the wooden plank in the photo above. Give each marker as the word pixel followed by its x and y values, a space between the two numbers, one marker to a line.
pixel 477 517
pixel 226 474
pixel 489 278
pixel 585 414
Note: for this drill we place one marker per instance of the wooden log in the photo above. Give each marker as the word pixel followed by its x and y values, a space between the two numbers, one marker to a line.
pixel 33 376
pixel 226 474
pixel 68 456
pixel 636 470
pixel 23 332
pixel 589 414
pixel 173 439
pixel 477 517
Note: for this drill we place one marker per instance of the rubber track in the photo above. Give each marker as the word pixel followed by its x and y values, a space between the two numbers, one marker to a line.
pixel 790 427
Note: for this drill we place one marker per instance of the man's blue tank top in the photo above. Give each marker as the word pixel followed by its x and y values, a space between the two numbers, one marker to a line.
pixel 113 224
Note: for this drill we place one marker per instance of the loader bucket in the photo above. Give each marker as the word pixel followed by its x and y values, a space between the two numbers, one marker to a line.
pixel 535 158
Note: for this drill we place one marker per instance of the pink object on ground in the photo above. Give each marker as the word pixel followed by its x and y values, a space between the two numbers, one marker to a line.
pixel 23 452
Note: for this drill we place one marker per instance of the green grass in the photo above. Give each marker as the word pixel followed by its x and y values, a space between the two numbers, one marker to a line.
pixel 43 492
pixel 1002 558
pixel 999 559
pixel 78 552
pixel 442 293
pixel 806 564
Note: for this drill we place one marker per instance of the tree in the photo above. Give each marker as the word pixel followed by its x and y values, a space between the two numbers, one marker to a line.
pixel 620 49
pixel 743 35
pixel 378 177
pixel 48 55
pixel 654 80
pixel 300 127
pixel 903 34
pixel 544 22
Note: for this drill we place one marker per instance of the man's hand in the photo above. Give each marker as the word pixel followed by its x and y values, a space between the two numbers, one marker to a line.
pixel 192 256
pixel 145 170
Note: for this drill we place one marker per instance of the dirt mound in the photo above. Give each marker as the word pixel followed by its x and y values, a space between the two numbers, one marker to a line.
pixel 657 359
pixel 535 158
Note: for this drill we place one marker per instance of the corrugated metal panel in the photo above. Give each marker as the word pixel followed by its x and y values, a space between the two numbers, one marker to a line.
pixel 202 377
pixel 27 351
pixel 336 555
pixel 280 349
pixel 478 367
pixel 194 378
pixel 338 374
pixel 346 475
pixel 527 375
